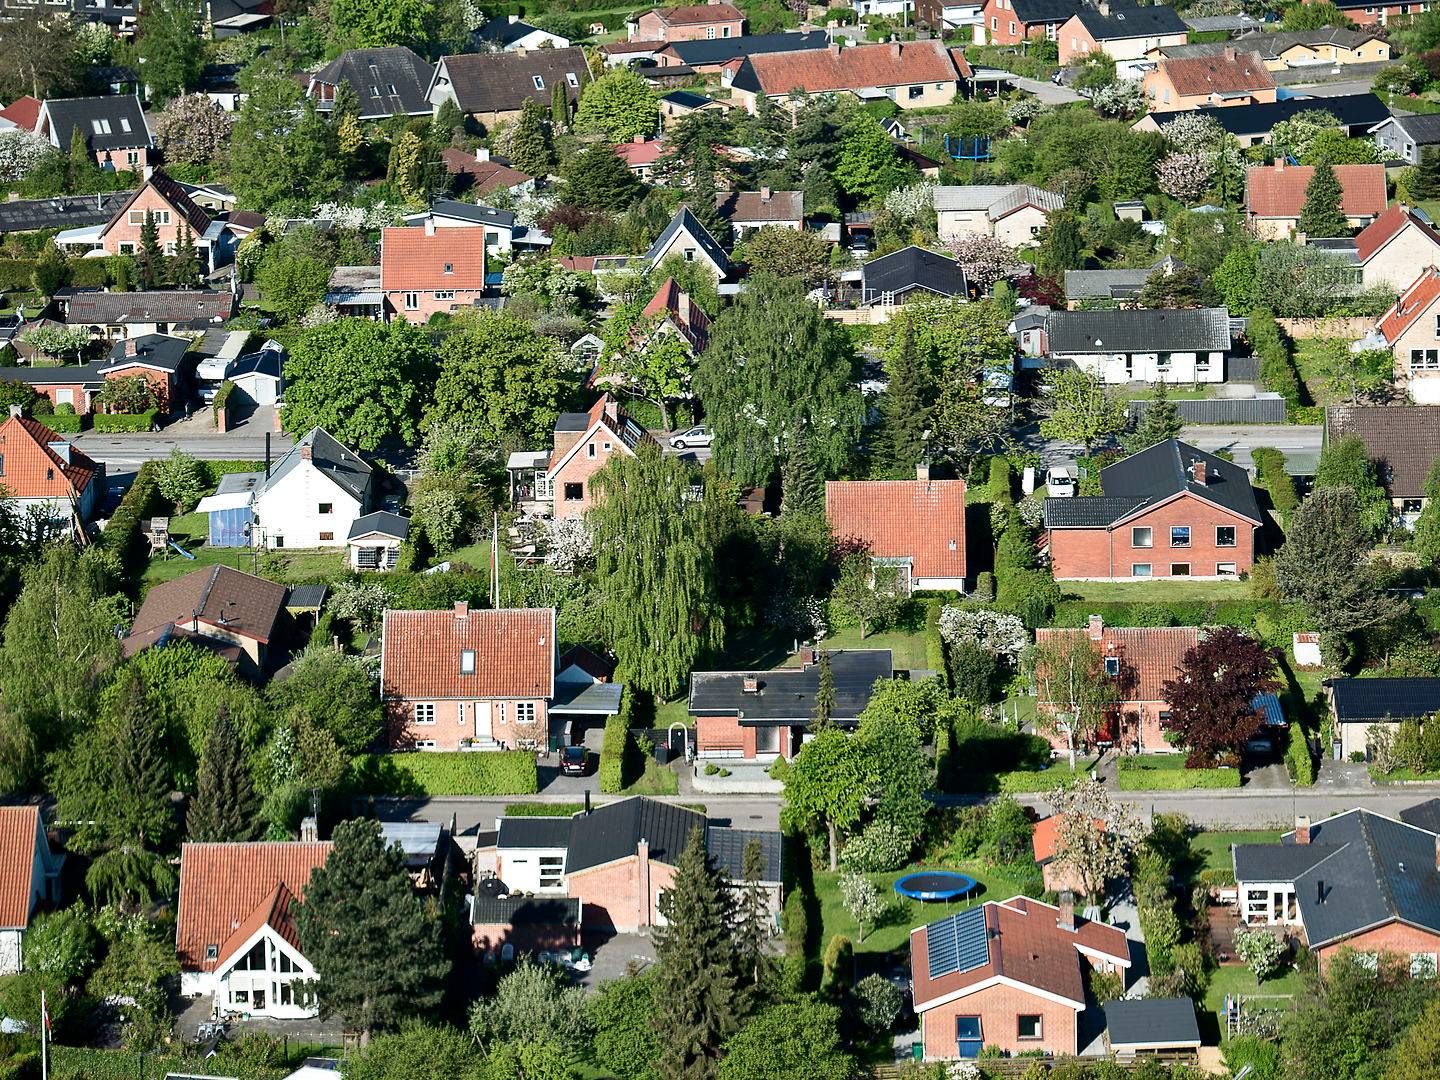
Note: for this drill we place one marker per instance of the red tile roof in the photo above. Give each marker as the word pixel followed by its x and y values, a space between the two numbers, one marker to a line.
pixel 1044 839
pixel 19 826
pixel 1224 74
pixel 640 153
pixel 413 259
pixel 607 413
pixel 485 176
pixel 699 14
pixel 30 469
pixel 1279 191
pixel 226 888
pixel 23 112
pixel 922 519
pixel 1413 303
pixel 674 303
pixel 514 653
pixel 957 57
pixel 816 71
pixel 1026 946
pixel 1387 226
pixel 1150 654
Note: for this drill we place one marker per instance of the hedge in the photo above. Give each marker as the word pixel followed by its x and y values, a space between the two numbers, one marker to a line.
pixel 934 643
pixel 215 470
pixel 122 533
pixel 1298 761
pixel 543 809
pixel 456 772
pixel 1270 471
pixel 64 423
pixel 944 750
pixel 1134 776
pixel 126 422
pixel 86 1063
pixel 1277 365
pixel 1026 782
pixel 615 749
pixel 221 399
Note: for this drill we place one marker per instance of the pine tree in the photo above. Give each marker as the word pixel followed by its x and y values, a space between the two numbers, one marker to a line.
pixel 1321 215
pixel 450 121
pixel 559 108
pixel 377 949
pixel 225 806
pixel 904 412
pixel 800 488
pixel 82 160
pixel 697 997
pixel 701 199
pixel 824 694
pixel 530 148
pixel 149 255
pixel 185 264
pixel 752 925
pixel 1160 421
pixel 1426 184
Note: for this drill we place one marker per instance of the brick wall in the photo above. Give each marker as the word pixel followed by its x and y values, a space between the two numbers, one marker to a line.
pixel 488 937
pixel 1003 27
pixel 580 469
pixel 1077 554
pixel 428 304
pixel 723 733
pixel 123 232
pixel 1075 41
pixel 455 720
pixel 1000 1008
pixel 611 894
pixel 1393 937
pixel 80 398
pixel 651 27
pixel 159 382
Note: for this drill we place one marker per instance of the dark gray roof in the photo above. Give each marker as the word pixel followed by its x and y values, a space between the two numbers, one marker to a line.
pixel 685 220
pixel 1165 469
pixel 343 466
pixel 114 122
pixel 1131 22
pixel 390 81
pixel 1425 815
pixel 463 211
pixel 1364 701
pixel 1152 1022
pixel 381 521
pixel 727 847
pixel 84 374
pixel 525 911
pixel 1140 330
pixel 723 50
pixel 1354 111
pixel 63 212
pixel 572 421
pixel 534 832
pixel 1043 11
pixel 912 268
pixel 501 31
pixel 1276 862
pixel 502 81
pixel 1088 512
pixel 1423 129
pixel 787 695
pixel 305 597
pixel 612 832
pixel 418 840
pixel 1105 284
pixel 688 98
pixel 154 350
pixel 199 308
pixel 264 362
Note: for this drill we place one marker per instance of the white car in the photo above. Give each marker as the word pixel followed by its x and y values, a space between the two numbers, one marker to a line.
pixel 1061 483
pixel 699 435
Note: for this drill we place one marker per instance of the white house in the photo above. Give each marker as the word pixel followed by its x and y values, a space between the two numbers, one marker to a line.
pixel 499 225
pixel 1013 213
pixel 1180 346
pixel 313 495
pixel 30 874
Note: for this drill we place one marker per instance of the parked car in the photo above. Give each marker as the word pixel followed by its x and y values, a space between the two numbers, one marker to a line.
pixel 1061 482
pixel 574 760
pixel 699 435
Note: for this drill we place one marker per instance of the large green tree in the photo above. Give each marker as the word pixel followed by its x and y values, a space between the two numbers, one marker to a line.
pixel 331 690
pixel 642 358
pixel 1081 410
pixel 292 282
pixel 899 442
pixel 783 252
pixel 1346 463
pixel 357 25
pixel 1321 216
pixel 869 164
pixel 225 807
pixel 825 787
pixel 774 363
pixel 360 380
pixel 171 50
pixel 377 950
pixel 619 105
pixel 596 179
pixel 283 152
pixel 792 1040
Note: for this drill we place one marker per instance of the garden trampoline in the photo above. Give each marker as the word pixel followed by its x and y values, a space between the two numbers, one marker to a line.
pixel 935 885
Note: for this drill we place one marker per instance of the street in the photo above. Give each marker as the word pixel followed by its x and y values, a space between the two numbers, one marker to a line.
pixel 474 814
pixel 1302 444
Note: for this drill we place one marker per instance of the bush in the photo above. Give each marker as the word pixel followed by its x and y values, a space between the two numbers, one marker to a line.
pixel 984 587
pixel 615 750
pixel 839 964
pixel 1270 471
pixel 1137 774
pixel 1277 366
pixel 944 751
pixel 1298 761
pixel 431 773
pixel 1262 952
pixel 65 423
pixel 125 422
pixel 122 535
pixel 934 643
pixel 878 1001
pixel 882 845
pixel 1263 1054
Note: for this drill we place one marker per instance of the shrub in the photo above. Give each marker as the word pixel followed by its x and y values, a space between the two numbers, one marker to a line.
pixel 1252 1050
pixel 125 422
pixel 1277 367
pixel 1270 471
pixel 1298 761
pixel 431 773
pixel 839 964
pixel 1136 775
pixel 882 845
pixel 122 534
pixel 65 423
pixel 1262 952
pixel 944 749
pixel 879 1002
pixel 620 762
pixel 984 587
pixel 934 644
pixel 1001 478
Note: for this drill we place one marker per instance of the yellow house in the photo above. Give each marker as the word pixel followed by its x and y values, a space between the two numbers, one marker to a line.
pixel 1327 46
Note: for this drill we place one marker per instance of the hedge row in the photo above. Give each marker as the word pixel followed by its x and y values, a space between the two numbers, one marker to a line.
pixel 1298 761
pixel 19 274
pixel 85 1063
pixel 123 532
pixel 543 809
pixel 934 643
pixel 615 750
pixel 214 470
pixel 125 422
pixel 1270 471
pixel 1134 776
pixel 1025 782
pixel 458 772
pixel 63 423
pixel 1277 365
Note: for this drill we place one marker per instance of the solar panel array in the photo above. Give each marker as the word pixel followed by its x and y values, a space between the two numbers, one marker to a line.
pixel 958 943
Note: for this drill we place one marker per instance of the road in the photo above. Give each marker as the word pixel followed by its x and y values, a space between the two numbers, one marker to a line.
pixel 1341 88
pixel 1259 809
pixel 472 814
pixel 1300 442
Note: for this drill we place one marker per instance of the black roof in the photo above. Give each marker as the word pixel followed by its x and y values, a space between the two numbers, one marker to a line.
pixel 1352 110
pixel 488 215
pixel 727 847
pixel 330 457
pixel 1425 815
pixel 1045 11
pixel 1422 128
pixel 502 31
pixel 83 374
pixel 372 73
pixel 264 362
pixel 64 212
pixel 572 421
pixel 1276 862
pixel 1088 511
pixel 1364 701
pixel 525 911
pixel 686 221
pixel 787 695
pixel 534 832
pixel 1130 22
pixel 723 50
pixel 157 350
pixel 1140 330
pixel 913 268
pixel 1157 1022
pixel 113 122
pixel 688 98
pixel 612 831
pixel 381 521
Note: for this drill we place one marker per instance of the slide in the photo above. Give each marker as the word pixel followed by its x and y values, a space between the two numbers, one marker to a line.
pixel 182 551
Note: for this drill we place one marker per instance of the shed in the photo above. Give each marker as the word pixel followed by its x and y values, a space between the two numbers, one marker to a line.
pixel 306 599
pixel 230 509
pixel 375 540
pixel 1150 1026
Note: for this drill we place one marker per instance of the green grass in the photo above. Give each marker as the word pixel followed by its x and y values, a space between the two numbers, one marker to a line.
pixel 1212 849
pixel 1401 775
pixel 1153 591
pixel 1308 352
pixel 1026 780
pixel 287 567
pixel 1238 979
pixel 655 780
pixel 908 648
pixel 1168 772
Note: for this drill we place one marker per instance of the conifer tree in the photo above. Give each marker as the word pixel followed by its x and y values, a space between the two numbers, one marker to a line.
pixel 185 265
pixel 904 412
pixel 800 487
pixel 701 199
pixel 225 805
pixel 1321 215
pixel 81 159
pixel 559 108
pixel 530 148
pixel 752 926
pixel 149 254
pixel 1427 527
pixel 697 997
pixel 1160 421
pixel 824 693
pixel 1426 184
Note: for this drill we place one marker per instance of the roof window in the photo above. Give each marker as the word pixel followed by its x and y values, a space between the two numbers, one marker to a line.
pixel 539 81
pixel 467 661
pixel 100 127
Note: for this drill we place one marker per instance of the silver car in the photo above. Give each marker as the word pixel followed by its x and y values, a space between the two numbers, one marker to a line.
pixel 699 435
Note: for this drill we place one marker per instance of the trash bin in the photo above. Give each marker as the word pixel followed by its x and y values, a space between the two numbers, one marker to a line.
pixel 917 1051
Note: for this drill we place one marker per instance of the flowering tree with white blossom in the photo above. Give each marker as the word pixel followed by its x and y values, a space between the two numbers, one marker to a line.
pixel 984 259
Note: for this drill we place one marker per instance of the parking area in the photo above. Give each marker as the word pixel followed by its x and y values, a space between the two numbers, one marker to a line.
pixel 613 956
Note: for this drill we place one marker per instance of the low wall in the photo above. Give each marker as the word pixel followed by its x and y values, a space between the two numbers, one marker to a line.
pixel 869 316
pixel 1351 328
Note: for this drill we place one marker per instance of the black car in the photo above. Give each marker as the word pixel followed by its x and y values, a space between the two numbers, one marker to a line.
pixel 573 760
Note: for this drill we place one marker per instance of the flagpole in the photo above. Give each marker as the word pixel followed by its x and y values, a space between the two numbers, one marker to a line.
pixel 44 1023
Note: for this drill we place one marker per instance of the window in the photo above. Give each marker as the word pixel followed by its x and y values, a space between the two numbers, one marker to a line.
pixel 500 713
pixel 100 127
pixel 1422 965
pixel 539 82
pixel 1162 361
pixel 445 294
pixel 124 124
pixel 212 952
pixel 709 32
pixel 286 964
pixel 767 740
pixel 552 871
pixel 914 92
pixel 1012 26
pixel 412 301
pixel 137 217
pixel 467 661
pixel 162 217
pixel 1029 1027
pixel 590 450
pixel 1179 535
pixel 1425 359
pixel 994 23
pixel 689 254
pixel 391 88
pixel 1407 506
pixel 1225 569
pixel 725 31
pixel 425 712
pixel 606 447
pixel 1140 569
pixel 574 492
pixel 1112 665
pixel 240 997
pixel 127 248
pixel 449 268
pixel 1179 569
pixel 1142 537
pixel 572 79
pixel 1224 535
pixel 967 1036
pixel 327 536
pixel 524 712
pixel 327 508
pixel 424 744
pixel 1368 960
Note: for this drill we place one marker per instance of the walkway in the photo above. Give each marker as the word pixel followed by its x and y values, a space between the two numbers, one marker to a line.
pixel 1046 91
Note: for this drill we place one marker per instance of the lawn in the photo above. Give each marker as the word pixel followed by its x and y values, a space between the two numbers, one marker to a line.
pixel 1237 979
pixel 1153 591
pixel 1308 354
pixel 1212 849
pixel 907 647
pixel 1154 772
pixel 287 567
pixel 656 780
pixel 1022 781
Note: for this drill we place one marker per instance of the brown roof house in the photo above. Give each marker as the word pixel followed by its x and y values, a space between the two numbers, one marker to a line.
pixel 692 22
pixel 480 174
pixel 1230 78
pixel 458 678
pixel 237 614
pixel 1275 195
pixel 235 928
pixel 749 211
pixel 491 87
pixel 914 75
pixel 29 876
pixel 918 525
pixel 1403 441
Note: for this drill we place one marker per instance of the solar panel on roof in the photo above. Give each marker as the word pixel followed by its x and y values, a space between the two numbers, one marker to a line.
pixel 957 944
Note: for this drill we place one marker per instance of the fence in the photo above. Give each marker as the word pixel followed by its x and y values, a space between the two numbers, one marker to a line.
pixel 1350 328
pixel 1257 410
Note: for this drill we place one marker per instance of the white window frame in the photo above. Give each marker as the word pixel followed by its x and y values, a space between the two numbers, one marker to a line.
pixel 424 712
pixel 524 712
pixel 537 81
pixel 467 661
pixel 1136 530
pixel 1234 536
pixel 412 301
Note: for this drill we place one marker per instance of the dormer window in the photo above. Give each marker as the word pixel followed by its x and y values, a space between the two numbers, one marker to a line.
pixel 124 124
pixel 572 79
pixel 467 661
pixel 539 81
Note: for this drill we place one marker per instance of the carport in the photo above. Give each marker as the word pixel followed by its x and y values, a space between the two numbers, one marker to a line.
pixel 573 700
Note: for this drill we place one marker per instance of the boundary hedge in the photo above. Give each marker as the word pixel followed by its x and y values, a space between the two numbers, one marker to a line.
pixel 63 423
pixel 1270 471
pixel 446 772
pixel 1134 776
pixel 617 761
pixel 122 532
pixel 125 422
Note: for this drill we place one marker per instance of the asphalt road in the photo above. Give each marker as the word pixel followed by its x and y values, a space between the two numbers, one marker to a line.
pixel 1233 809
pixel 1294 439
pixel 472 814
pixel 138 449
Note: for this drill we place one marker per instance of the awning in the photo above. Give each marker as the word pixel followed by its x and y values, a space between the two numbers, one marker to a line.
pixel 528 459
pixel 590 699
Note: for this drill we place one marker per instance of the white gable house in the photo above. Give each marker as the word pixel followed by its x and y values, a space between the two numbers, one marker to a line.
pixel 313 496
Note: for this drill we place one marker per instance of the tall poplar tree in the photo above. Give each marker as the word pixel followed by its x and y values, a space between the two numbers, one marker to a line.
pixel 800 487
pixel 904 412
pixel 225 807
pixel 559 108
pixel 1321 215
pixel 824 693
pixel 149 255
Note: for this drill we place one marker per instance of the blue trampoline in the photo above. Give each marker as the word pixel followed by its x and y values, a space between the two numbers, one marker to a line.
pixel 935 885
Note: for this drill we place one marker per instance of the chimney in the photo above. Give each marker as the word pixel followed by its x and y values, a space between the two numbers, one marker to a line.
pixel 15 410
pixel 1197 472
pixel 750 684
pixel 1097 627
pixel 764 194
pixel 612 409
pixel 640 140
pixel 642 879
pixel 1302 829
pixel 895 50
pixel 307 452
pixel 482 154
pixel 1230 54
pixel 1280 163
pixel 462 609
pixel 132 347
pixel 430 225
pixel 922 470
pixel 1104 8
pixel 309 830
pixel 835 48
pixel 514 19
pixel 1066 920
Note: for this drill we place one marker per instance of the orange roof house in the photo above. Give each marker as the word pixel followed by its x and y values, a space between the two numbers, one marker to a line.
pixel 235 930
pixel 679 314
pixel 1231 78
pixel 1410 331
pixel 1044 843
pixel 23 112
pixel 38 468
pixel 584 443
pixel 425 271
pixel 1275 195
pixel 917 524
pixel 1394 245
pixel 913 74
pixel 29 874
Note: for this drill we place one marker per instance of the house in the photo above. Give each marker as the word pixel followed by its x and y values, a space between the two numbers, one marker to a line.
pixel 1138 1028
pixel 491 87
pixel 355 292
pixel 118 316
pixel 114 129
pixel 1028 327
pixel 691 22
pixel 389 81
pixel 681 103
pixel 1329 46
pixel 375 540
pixel 889 9
pixel 1198 509
pixel 31 872
pixel 460 678
pixel 258 377
pixel 427 271
pixel 1142 659
pixel 477 172
pixel 1012 213
pixel 912 273
pixel 1387 251
pixel 228 18
pixel 675 313
pixel 1009 22
pixel 501 926
pixel 617 860
pixel 1359 880
pixel 1251 124
pixel 640 155
pixel 749 211
pixel 917 525
pixel 914 75
pixel 313 495
pixel 1368 13
pixel 1407 137
pixel 160 360
pixel 1125 34
pixel 1149 345
pixel 176 215
pixel 943 15
pixel 1356 704
pixel 584 443
pixel 500 227
pixel 512 34
pixel 1010 975
pixel 426 847
pixel 723 56
pixel 1404 444
pixel 23 113
pixel 235 931
pixel 1228 79
pixel 758 716
pixel 1122 287
pixel 689 239
pixel 43 474
pixel 1412 332
pixel 1275 195
pixel 236 614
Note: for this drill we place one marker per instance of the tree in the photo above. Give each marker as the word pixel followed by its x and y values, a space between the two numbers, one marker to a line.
pixel 534 1003
pixel 1261 951
pixel 283 152
pixel 644 358
pixel 783 252
pixel 37 54
pixel 825 787
pixel 867 592
pixel 1076 690
pixel 697 992
pixel 620 1013
pixel 52 271
pixel 358 25
pixel 1062 247
pixel 226 807
pixel 333 691
pixel 984 259
pixel 377 951
pixel 1345 463
pixel 596 179
pixel 1159 422
pixel 899 444
pixel 797 1040
pixel 559 108
pixel 293 282
pixel 531 149
pixel 1427 526
pixel 1212 711
pixel 1186 177
pixel 753 920
pixel 180 479
pixel 898 771
pixel 801 490
pixel 22 152
pixel 1357 374
pixel 970 347
pixel 1080 411
pixel 1314 16
pixel 1426 184
pixel 1097 833
pixel 1321 215
pixel 863 900
pixel 619 105
pixel 359 380
pixel 775 364
pixel 869 165
pixel 654 574
pixel 1173 287
pixel 171 50
pixel 700 197
pixel 1417 1055
pixel 185 263
pixel 418 1051
pixel 824 693
pixel 149 255
pixel 132 394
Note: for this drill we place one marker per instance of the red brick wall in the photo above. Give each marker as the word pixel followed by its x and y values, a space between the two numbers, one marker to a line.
pixel 80 399
pixel 723 733
pixel 123 232
pixel 1393 937
pixel 612 895
pixel 449 727
pixel 998 21
pixel 579 470
pixel 492 936
pixel 650 27
pixel 1106 553
pixel 158 380
pixel 1145 715
pixel 1000 1008
pixel 463 300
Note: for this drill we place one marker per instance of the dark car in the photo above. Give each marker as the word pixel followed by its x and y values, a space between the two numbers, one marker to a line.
pixel 573 760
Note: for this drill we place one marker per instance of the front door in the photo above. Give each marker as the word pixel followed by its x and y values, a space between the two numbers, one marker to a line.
pixel 482 720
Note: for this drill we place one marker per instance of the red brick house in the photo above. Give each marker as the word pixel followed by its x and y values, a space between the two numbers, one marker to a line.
pixel 1143 658
pixel 677 314
pixel 918 525
pixel 113 128
pixel 460 678
pixel 1008 974
pixel 1275 196
pixel 692 22
pixel 1009 22
pixel 173 210
pixel 1169 511
pixel 584 443
pixel 39 469
pixel 425 271
pixel 30 873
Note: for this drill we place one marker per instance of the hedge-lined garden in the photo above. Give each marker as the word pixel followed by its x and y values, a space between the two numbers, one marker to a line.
pixel 1167 772
pixel 439 772
pixel 127 423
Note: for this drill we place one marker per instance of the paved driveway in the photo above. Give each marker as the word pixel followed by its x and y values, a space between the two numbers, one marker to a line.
pixel 1046 91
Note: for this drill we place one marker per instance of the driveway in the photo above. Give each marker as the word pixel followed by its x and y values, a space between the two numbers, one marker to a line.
pixel 1046 91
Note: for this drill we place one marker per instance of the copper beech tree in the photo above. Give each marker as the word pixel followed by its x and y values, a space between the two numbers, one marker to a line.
pixel 1212 698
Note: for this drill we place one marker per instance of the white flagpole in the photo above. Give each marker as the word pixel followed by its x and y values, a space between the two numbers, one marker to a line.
pixel 44 1022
